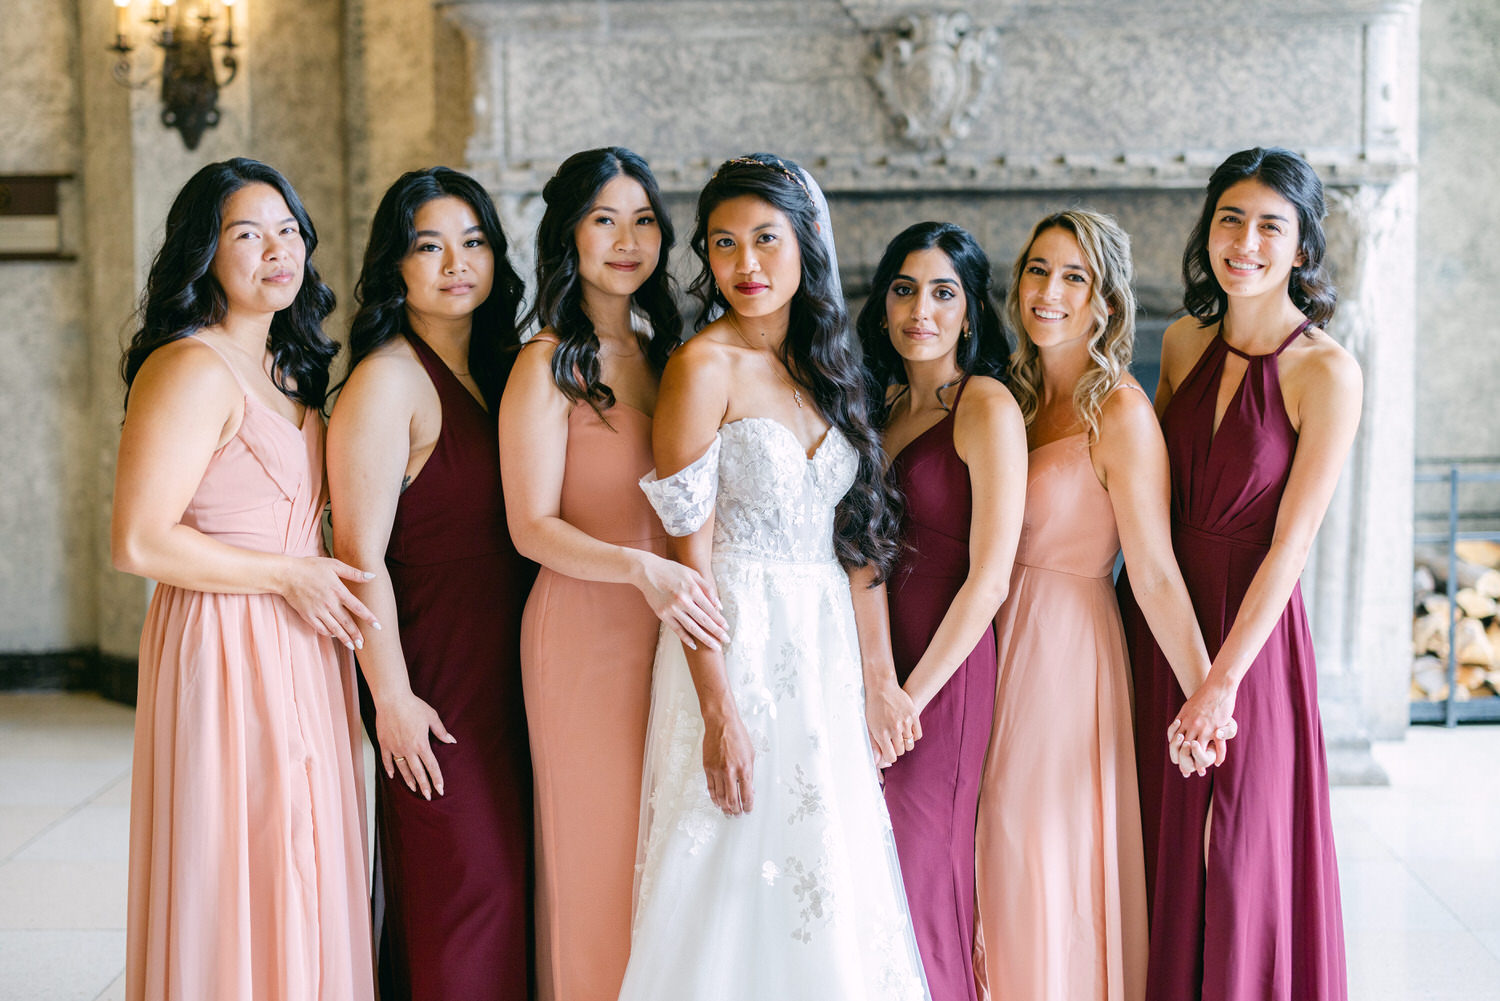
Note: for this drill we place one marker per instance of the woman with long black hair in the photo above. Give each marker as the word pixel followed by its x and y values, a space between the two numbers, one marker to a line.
pixel 575 436
pixel 956 443
pixel 247 858
pixel 1259 406
pixel 776 877
pixel 416 492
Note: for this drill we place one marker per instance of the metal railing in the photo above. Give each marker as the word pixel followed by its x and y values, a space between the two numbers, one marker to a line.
pixel 1451 711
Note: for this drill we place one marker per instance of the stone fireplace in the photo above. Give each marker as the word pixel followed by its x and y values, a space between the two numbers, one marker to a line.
pixel 991 113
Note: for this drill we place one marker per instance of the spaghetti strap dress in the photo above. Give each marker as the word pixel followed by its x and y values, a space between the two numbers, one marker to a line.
pixel 247 845
pixel 932 792
pixel 1262 921
pixel 454 872
pixel 586 652
pixel 1062 895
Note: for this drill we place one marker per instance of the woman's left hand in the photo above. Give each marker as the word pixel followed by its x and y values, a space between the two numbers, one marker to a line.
pixel 1206 719
pixel 893 720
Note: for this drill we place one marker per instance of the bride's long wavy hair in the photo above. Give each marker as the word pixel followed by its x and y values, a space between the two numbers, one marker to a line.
pixel 820 351
pixel 1106 251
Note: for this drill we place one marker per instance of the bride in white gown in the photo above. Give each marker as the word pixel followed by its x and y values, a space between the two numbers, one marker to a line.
pixel 777 877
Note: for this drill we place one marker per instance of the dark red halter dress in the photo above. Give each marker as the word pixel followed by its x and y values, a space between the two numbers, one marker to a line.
pixel 932 792
pixel 453 873
pixel 1263 921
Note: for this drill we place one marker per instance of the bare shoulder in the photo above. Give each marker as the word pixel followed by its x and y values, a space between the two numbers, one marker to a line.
pixel 187 370
pixel 531 388
pixel 389 376
pixel 1127 412
pixel 703 354
pixel 535 357
pixel 988 401
pixel 544 342
pixel 1320 379
pixel 988 421
pixel 1326 360
pixel 1182 344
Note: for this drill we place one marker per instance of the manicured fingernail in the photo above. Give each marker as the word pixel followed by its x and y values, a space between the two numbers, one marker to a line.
pixel 375 624
pixel 369 575
pixel 690 644
pixel 348 644
pixel 359 644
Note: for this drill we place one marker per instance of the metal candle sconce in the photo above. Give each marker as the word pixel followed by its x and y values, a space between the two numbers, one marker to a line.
pixel 189 79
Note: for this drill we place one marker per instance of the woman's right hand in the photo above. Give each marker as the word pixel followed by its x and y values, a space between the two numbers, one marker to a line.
pixel 314 587
pixel 893 721
pixel 686 602
pixel 729 762
pixel 401 727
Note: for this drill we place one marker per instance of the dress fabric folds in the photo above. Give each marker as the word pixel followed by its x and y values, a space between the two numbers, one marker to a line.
pixel 1062 897
pixel 801 898
pixel 1262 920
pixel 247 848
pixel 932 791
pixel 455 871
pixel 586 652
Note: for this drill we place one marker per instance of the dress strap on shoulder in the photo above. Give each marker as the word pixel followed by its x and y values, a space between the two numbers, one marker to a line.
pixel 1301 329
pixel 962 384
pixel 239 379
pixel 1131 385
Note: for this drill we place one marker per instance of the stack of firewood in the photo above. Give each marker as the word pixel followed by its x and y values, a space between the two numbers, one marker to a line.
pixel 1476 636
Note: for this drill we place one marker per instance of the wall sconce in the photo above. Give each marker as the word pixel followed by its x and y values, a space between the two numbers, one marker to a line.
pixel 189 81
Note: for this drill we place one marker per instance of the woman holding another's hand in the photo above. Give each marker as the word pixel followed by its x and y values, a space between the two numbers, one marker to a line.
pixel 1259 407
pixel 575 436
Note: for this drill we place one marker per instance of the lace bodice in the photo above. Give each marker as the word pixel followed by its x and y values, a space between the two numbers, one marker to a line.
pixel 770 501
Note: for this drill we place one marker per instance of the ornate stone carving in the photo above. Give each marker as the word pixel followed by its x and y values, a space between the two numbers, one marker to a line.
pixel 933 71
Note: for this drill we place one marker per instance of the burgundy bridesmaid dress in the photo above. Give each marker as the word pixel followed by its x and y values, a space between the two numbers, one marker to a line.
pixel 1263 921
pixel 932 792
pixel 455 870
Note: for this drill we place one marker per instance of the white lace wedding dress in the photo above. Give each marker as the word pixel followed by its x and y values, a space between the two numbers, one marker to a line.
pixel 801 898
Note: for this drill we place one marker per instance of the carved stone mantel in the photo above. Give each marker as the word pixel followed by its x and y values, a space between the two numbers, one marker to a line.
pixel 689 82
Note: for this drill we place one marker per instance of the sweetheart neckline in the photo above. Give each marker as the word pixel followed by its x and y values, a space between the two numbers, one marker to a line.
pixel 817 449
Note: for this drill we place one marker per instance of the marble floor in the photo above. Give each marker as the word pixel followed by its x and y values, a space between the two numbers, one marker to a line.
pixel 1419 859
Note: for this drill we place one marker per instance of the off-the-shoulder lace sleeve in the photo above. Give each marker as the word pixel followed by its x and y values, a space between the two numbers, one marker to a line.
pixel 685 499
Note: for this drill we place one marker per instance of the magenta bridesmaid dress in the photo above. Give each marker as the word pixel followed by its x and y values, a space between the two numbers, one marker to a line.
pixel 1262 922
pixel 932 792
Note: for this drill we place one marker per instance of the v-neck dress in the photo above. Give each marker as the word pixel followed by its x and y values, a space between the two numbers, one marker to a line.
pixel 247 845
pixel 932 791
pixel 1062 895
pixel 1262 922
pixel 455 871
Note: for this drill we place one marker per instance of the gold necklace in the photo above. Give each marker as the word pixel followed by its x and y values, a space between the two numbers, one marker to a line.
pixel 796 392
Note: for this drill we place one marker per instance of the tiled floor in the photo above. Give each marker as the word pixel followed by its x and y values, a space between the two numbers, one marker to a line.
pixel 1419 860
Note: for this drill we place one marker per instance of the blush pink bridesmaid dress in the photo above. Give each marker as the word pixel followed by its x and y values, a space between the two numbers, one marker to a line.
pixel 247 846
pixel 1062 887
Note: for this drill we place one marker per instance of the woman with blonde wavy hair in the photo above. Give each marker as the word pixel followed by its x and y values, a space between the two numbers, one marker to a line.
pixel 1061 886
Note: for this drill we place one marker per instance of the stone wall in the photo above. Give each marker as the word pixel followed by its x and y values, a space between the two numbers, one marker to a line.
pixel 1458 277
pixel 46 510
pixel 344 96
